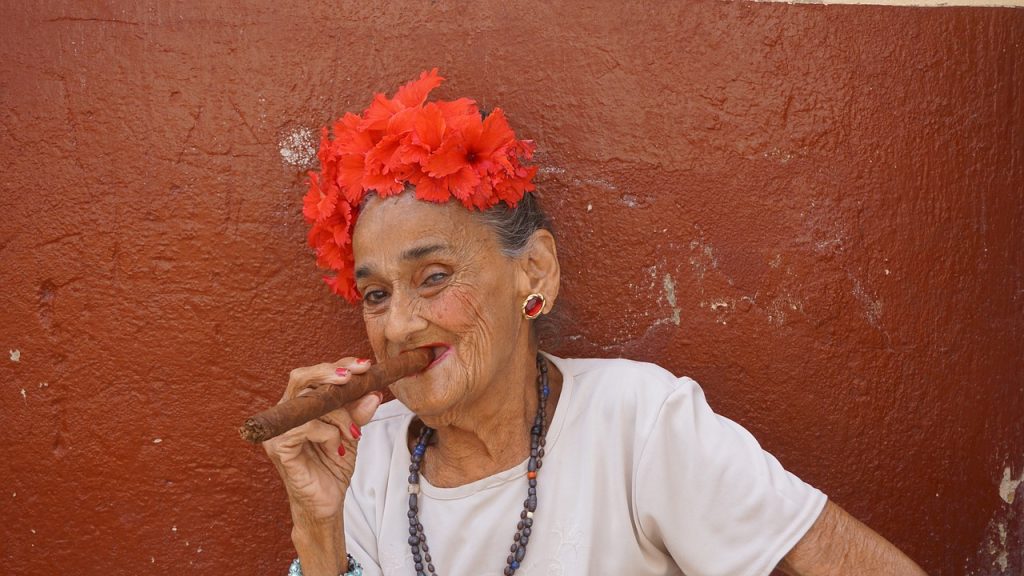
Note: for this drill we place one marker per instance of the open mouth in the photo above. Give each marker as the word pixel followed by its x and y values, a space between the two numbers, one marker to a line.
pixel 440 350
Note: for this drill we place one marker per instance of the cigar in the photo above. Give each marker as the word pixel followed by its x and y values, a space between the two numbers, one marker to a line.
pixel 302 409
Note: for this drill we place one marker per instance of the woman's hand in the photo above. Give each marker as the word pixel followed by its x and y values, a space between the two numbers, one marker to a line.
pixel 316 460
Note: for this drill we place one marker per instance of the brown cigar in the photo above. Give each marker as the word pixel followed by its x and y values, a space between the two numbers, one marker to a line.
pixel 302 409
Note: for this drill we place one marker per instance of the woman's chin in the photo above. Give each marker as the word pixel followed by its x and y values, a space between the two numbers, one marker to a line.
pixel 425 393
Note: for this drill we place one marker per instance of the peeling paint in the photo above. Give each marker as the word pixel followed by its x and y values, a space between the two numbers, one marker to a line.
pixel 872 306
pixel 298 148
pixel 993 553
pixel 1008 486
pixel 722 306
pixel 544 170
pixel 15 355
pixel 577 181
pixel 780 156
pixel 993 557
pixel 669 286
pixel 703 260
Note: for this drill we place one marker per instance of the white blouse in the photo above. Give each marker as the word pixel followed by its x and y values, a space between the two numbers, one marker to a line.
pixel 639 478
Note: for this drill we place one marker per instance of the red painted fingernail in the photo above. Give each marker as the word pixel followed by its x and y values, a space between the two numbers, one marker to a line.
pixel 341 371
pixel 363 360
pixel 355 431
pixel 341 450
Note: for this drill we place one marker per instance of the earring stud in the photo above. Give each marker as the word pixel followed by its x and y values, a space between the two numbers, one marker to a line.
pixel 533 306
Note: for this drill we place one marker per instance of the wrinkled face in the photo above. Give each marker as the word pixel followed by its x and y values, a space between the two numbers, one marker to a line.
pixel 433 275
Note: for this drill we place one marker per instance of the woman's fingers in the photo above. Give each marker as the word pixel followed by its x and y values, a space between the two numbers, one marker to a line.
pixel 350 419
pixel 332 438
pixel 327 373
pixel 356 365
pixel 362 410
pixel 290 443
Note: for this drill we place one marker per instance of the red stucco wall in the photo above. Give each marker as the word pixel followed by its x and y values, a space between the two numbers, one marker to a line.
pixel 816 211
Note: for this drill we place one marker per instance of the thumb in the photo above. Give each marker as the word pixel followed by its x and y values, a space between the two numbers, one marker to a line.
pixel 363 409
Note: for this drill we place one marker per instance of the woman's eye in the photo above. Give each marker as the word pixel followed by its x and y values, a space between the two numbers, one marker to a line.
pixel 374 296
pixel 435 278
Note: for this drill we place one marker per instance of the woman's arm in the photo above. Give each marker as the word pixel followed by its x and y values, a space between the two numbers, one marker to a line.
pixel 321 547
pixel 838 544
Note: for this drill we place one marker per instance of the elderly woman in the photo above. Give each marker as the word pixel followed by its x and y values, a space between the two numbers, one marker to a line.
pixel 499 458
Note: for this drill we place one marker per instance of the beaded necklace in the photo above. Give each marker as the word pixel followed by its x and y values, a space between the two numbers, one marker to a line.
pixel 418 540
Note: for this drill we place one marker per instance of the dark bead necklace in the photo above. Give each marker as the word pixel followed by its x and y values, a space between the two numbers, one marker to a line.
pixel 418 540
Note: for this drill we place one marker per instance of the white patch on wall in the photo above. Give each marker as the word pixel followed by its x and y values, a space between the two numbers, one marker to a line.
pixel 702 258
pixel 872 306
pixel 669 287
pixel 576 181
pixel 298 148
pixel 550 170
pixel 1008 486
pixel 993 555
pixel 15 355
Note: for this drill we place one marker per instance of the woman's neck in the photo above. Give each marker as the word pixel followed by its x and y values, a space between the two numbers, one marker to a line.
pixel 493 434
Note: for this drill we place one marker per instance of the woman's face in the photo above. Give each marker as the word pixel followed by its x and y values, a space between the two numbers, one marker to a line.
pixel 432 275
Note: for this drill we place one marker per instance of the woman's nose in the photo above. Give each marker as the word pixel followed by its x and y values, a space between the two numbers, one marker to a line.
pixel 404 319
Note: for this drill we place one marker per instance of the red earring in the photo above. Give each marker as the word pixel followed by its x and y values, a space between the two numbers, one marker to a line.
pixel 533 306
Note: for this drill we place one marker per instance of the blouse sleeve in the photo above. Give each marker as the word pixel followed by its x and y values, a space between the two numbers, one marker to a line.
pixel 706 492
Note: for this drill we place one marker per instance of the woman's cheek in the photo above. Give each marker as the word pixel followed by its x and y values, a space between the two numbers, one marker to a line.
pixel 375 333
pixel 457 310
pixel 465 317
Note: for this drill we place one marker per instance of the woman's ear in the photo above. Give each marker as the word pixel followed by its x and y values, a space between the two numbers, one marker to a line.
pixel 541 273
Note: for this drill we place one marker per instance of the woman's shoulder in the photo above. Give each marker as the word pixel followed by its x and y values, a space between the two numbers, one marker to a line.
pixel 617 371
pixel 622 380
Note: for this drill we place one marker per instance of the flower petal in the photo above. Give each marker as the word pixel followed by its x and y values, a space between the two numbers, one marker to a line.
pixel 379 112
pixel 432 189
pixel 448 159
pixel 415 93
pixel 495 134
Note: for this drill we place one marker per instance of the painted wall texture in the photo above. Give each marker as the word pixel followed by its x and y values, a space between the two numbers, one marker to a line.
pixel 815 211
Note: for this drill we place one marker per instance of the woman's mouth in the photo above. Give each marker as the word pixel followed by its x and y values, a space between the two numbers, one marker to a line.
pixel 440 350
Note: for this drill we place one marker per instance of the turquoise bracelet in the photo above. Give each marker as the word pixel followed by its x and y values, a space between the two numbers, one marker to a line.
pixel 354 568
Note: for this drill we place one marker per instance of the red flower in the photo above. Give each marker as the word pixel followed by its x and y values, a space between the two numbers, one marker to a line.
pixel 343 285
pixel 442 148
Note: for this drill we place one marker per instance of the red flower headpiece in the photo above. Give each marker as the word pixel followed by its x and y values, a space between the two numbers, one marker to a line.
pixel 444 149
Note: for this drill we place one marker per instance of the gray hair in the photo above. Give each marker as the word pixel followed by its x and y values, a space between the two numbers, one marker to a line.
pixel 515 226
